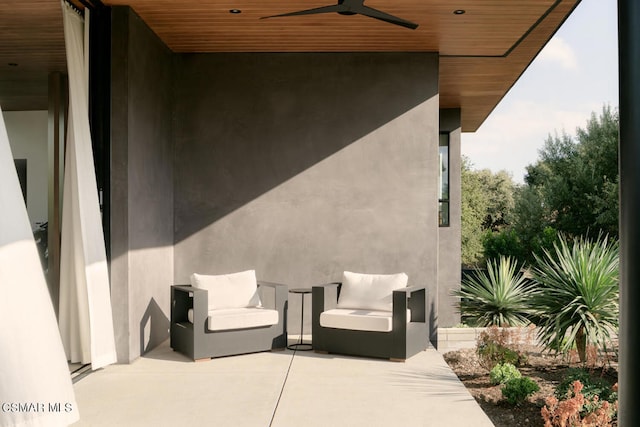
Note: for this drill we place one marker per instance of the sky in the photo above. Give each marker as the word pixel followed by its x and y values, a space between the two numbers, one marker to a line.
pixel 574 75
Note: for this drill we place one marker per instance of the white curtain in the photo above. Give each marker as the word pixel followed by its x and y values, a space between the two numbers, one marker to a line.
pixel 33 367
pixel 86 322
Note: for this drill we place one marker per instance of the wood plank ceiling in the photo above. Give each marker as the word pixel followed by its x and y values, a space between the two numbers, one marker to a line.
pixel 483 50
pixel 31 46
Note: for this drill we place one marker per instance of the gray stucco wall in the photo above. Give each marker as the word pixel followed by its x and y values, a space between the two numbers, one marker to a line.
pixel 449 243
pixel 142 186
pixel 304 165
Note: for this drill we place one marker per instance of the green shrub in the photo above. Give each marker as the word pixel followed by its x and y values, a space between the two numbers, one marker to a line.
pixel 499 297
pixel 592 386
pixel 517 390
pixel 491 354
pixel 496 346
pixel 503 372
pixel 505 242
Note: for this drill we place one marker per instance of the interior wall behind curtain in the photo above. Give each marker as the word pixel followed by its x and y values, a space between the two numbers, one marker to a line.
pixel 86 322
pixel 33 366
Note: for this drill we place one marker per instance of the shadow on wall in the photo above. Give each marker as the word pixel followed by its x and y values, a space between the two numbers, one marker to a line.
pixel 154 327
pixel 246 123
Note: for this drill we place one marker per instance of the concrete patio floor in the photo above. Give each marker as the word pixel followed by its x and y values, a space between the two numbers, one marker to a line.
pixel 280 389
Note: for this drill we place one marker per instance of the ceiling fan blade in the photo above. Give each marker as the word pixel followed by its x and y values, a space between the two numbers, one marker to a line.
pixel 374 13
pixel 314 11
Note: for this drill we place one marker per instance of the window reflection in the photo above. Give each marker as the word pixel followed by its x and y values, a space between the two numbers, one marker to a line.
pixel 443 190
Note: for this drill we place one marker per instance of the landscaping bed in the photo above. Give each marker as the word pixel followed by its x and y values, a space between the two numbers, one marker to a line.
pixel 545 369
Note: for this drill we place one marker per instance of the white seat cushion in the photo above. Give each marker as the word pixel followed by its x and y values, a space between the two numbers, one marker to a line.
pixel 359 320
pixel 239 318
pixel 370 291
pixel 235 290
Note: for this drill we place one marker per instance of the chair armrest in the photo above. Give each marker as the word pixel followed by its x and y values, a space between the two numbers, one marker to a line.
pixel 183 288
pixel 325 297
pixel 273 285
pixel 414 298
pixel 281 294
pixel 185 297
pixel 411 289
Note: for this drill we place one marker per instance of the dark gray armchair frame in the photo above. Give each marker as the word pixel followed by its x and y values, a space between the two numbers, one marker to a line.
pixel 196 341
pixel 405 340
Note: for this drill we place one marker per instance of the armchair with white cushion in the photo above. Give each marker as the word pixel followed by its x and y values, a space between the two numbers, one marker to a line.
pixel 371 315
pixel 228 314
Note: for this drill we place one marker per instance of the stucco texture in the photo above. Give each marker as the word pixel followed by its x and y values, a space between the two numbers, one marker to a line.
pixel 302 166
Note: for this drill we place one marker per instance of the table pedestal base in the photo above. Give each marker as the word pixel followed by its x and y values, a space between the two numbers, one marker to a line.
pixel 300 346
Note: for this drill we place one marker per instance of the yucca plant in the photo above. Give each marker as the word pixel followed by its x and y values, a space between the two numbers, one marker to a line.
pixel 577 303
pixel 498 297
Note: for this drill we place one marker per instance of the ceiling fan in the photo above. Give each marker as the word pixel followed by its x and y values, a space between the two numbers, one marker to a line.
pixel 352 7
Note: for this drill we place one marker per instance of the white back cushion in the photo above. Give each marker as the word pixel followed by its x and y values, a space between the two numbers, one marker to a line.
pixel 235 290
pixel 370 291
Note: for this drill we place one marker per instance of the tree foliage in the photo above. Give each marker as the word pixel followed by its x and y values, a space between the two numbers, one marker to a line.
pixel 576 181
pixel 474 207
pixel 487 203
pixel 572 189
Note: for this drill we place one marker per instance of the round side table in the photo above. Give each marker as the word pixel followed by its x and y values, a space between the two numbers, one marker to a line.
pixel 301 346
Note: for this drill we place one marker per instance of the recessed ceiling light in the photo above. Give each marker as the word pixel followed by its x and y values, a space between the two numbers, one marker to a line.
pixel 235 11
pixel 12 64
pixel 459 12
